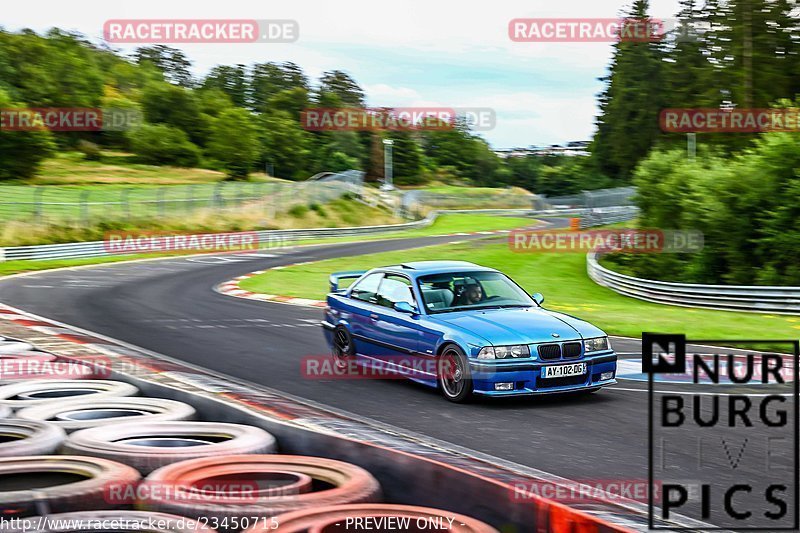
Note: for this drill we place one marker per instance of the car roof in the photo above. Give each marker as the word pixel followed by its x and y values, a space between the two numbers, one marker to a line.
pixel 424 268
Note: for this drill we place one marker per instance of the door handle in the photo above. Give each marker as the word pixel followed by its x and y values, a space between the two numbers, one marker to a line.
pixel 373 316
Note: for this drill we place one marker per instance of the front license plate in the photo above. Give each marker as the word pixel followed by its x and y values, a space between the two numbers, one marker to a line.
pixel 560 371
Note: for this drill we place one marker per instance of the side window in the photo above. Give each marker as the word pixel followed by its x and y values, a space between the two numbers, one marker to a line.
pixel 395 289
pixel 367 288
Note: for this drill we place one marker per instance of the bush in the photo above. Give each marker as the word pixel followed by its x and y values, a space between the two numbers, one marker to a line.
pixel 21 152
pixel 90 151
pixel 318 209
pixel 298 210
pixel 159 144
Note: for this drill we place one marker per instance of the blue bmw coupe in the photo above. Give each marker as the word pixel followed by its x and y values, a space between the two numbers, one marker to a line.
pixel 463 328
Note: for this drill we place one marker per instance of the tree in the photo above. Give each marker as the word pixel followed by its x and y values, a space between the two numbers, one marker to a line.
pixel 171 62
pixel 230 80
pixel 59 69
pixel 406 158
pixel 234 142
pixel 630 104
pixel 269 79
pixel 21 152
pixel 284 145
pixel 338 89
pixel 169 104
pixel 160 144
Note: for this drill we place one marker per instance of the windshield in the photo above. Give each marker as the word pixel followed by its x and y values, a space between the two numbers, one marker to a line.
pixel 456 291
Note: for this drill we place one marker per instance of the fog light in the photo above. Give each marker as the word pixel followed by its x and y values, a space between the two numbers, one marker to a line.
pixel 606 375
pixel 503 386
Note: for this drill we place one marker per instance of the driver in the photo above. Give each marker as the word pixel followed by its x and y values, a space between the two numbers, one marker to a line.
pixel 473 294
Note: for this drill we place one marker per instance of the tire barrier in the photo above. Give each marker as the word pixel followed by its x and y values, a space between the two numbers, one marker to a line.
pixel 29 437
pixel 82 414
pixel 41 484
pixel 99 521
pixel 380 516
pixel 5 411
pixel 39 392
pixel 275 484
pixel 11 347
pixel 41 357
pixel 14 370
pixel 147 446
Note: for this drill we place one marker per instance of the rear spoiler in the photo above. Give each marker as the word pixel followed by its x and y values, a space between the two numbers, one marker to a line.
pixel 337 276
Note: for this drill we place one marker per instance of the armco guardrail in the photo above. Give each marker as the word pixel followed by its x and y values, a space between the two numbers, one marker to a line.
pixel 273 238
pixel 782 300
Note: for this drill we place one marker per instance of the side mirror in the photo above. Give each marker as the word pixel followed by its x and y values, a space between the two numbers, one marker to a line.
pixel 538 297
pixel 405 307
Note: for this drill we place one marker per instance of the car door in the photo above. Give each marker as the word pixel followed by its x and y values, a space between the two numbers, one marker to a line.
pixel 364 297
pixel 398 333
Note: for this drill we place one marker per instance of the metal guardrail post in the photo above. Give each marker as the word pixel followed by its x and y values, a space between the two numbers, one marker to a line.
pixel 218 201
pixel 189 198
pixel 37 204
pixel 84 201
pixel 125 201
pixel 160 201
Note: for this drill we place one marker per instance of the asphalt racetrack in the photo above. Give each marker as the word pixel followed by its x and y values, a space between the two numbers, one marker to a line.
pixel 169 306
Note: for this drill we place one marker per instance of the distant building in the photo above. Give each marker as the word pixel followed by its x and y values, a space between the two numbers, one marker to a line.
pixel 576 148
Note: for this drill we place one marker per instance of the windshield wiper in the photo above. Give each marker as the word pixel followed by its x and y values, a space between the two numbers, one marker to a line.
pixel 476 307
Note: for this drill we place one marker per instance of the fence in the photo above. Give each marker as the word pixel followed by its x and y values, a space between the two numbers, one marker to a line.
pixel 619 196
pixel 274 238
pixel 85 206
pixel 414 200
pixel 781 300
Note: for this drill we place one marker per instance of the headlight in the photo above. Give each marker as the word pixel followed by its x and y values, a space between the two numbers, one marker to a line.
pixel 596 345
pixel 504 352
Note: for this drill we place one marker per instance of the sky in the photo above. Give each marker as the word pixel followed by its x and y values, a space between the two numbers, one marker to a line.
pixel 403 53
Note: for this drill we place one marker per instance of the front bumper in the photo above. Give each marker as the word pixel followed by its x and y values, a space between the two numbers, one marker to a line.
pixel 525 377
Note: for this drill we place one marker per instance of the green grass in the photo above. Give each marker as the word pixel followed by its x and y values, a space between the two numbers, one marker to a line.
pixel 120 168
pixel 443 225
pixel 338 210
pixel 561 278
pixel 466 191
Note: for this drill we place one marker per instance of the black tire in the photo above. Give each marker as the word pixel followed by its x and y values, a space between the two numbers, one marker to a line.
pixel 455 381
pixel 343 350
pixel 82 414
pixel 130 521
pixel 29 437
pixel 147 446
pixel 39 392
pixel 62 483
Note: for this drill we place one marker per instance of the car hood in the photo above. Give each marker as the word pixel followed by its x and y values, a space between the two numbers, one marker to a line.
pixel 520 326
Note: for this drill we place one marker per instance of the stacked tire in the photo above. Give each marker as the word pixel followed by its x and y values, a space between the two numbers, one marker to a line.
pixel 91 450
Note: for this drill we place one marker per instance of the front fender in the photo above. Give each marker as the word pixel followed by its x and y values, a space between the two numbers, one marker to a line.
pixel 466 340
